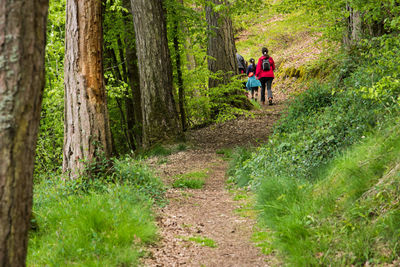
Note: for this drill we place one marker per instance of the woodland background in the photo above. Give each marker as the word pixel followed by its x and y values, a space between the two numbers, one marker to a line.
pixel 326 181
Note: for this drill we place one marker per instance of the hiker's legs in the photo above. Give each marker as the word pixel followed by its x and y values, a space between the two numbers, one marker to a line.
pixel 253 89
pixel 263 81
pixel 269 86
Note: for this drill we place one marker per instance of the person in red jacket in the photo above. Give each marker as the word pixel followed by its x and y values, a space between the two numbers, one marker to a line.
pixel 265 73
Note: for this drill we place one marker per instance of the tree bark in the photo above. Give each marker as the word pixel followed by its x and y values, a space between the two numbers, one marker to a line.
pixel 354 27
pixel 160 117
pixel 221 45
pixel 86 123
pixel 178 64
pixel 22 46
pixel 133 106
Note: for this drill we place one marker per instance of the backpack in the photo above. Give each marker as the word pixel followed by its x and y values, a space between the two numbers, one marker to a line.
pixel 266 66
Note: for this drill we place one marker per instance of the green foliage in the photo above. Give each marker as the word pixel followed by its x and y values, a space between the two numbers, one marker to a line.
pixel 203 241
pixel 317 126
pixel 331 17
pixel 244 11
pixel 237 170
pixel 229 101
pixel 158 150
pixel 192 180
pixel 306 104
pixel 87 220
pixel 325 206
pixel 118 33
pixel 51 131
pixel 188 183
pixel 381 75
pixel 138 176
pixel 161 151
pixel 226 153
pixel 351 211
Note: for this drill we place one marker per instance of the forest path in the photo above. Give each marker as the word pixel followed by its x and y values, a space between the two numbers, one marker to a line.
pixel 210 212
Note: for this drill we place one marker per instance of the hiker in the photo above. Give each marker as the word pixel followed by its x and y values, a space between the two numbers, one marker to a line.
pixel 252 83
pixel 265 73
pixel 241 63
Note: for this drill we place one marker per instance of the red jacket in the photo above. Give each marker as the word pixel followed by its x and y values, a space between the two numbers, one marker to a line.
pixel 261 73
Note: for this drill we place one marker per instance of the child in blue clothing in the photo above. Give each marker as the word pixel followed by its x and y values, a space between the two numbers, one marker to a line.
pixel 252 83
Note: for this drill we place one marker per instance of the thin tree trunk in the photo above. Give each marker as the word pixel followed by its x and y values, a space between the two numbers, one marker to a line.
pixel 122 57
pixel 86 125
pixel 181 90
pixel 354 27
pixel 133 121
pixel 221 44
pixel 114 66
pixel 133 105
pixel 22 46
pixel 160 117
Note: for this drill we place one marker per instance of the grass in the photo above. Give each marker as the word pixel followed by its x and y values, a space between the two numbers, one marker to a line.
pixel 203 241
pixel 91 228
pixel 161 151
pixel 188 183
pixel 350 216
pixel 226 153
pixel 191 180
pixel 85 222
pixel 256 104
pixel 280 35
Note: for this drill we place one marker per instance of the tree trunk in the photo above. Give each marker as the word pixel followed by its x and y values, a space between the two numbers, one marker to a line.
pixel 86 126
pixel 221 44
pixel 114 66
pixel 22 46
pixel 160 117
pixel 134 105
pixel 178 64
pixel 354 27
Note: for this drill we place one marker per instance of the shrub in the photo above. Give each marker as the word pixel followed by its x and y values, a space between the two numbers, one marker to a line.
pixel 237 171
pixel 138 176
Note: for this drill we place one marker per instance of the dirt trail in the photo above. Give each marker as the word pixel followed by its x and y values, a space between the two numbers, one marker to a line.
pixel 210 212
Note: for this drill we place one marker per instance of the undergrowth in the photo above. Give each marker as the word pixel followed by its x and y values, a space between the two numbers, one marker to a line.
pixel 84 222
pixel 192 180
pixel 348 217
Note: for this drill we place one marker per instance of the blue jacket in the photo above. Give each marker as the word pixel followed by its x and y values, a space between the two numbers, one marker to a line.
pixel 252 82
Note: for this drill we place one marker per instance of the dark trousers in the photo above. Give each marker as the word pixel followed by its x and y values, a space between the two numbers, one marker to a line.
pixel 268 82
pixel 253 89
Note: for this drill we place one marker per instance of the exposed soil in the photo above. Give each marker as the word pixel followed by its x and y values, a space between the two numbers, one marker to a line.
pixel 210 212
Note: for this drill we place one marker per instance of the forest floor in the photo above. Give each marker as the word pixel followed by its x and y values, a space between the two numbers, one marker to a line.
pixel 207 227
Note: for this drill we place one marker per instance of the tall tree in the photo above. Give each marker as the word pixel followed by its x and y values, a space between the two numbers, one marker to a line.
pixel 134 109
pixel 86 125
pixel 22 46
pixel 178 64
pixel 160 117
pixel 221 44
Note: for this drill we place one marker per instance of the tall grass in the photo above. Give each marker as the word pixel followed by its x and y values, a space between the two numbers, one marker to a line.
pixel 349 216
pixel 95 223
